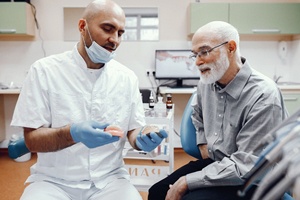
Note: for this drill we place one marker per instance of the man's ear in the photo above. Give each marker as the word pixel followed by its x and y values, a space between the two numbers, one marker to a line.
pixel 81 25
pixel 232 46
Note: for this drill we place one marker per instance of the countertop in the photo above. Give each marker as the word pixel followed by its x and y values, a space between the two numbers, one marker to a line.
pixel 289 87
pixel 10 91
pixel 164 90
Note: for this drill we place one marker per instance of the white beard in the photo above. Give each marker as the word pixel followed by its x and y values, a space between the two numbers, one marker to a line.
pixel 217 70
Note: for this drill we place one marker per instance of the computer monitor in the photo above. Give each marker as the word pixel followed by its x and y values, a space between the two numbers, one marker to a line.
pixel 175 65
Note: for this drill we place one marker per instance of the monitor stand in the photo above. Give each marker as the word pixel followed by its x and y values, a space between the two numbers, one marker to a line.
pixel 180 85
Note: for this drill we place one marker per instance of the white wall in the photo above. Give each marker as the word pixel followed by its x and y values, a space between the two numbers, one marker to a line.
pixel 138 56
pixel 17 56
pixel 295 61
pixel 264 57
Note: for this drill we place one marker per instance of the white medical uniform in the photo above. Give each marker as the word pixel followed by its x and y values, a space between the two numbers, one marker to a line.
pixel 60 90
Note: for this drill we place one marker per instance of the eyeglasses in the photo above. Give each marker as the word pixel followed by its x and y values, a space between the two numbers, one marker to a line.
pixel 204 53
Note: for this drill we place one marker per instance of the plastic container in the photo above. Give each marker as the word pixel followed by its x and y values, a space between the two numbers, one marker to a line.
pixel 160 108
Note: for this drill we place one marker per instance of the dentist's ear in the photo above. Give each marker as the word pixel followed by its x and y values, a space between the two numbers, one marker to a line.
pixel 81 25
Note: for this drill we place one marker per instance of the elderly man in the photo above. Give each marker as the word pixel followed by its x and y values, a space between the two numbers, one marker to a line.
pixel 236 106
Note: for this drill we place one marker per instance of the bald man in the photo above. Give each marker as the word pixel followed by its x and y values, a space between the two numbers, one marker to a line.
pixel 75 108
pixel 236 106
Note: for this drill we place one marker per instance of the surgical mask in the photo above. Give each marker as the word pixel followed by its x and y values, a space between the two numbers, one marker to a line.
pixel 97 53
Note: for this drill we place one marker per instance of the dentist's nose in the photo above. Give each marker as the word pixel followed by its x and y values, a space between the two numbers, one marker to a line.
pixel 115 39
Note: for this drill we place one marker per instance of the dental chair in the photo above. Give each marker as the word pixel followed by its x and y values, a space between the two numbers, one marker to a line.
pixel 17 148
pixel 188 138
pixel 188 131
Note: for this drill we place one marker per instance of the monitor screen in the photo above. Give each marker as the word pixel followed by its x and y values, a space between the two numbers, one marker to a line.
pixel 175 64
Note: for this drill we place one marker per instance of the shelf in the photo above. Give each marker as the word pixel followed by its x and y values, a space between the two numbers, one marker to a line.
pixel 144 176
pixel 168 90
pixel 10 91
pixel 162 152
pixel 146 156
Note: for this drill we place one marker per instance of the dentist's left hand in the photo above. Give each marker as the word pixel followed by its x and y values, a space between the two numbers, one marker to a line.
pixel 150 142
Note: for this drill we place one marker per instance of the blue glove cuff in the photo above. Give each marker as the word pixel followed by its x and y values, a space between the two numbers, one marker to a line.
pixel 72 132
pixel 139 146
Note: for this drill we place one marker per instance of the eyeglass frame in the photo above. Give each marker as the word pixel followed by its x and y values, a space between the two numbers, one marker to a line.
pixel 204 53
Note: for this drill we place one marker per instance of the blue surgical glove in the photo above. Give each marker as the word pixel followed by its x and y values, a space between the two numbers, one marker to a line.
pixel 148 142
pixel 91 134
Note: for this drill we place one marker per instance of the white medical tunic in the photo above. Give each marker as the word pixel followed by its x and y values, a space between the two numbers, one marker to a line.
pixel 60 90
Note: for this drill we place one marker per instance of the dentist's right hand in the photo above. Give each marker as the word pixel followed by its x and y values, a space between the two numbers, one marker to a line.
pixel 91 134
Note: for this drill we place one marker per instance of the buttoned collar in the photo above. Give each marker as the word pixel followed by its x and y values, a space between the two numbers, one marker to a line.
pixel 235 87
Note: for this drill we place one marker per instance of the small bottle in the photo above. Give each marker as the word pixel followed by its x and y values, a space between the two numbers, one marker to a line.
pixel 151 101
pixel 169 102
pixel 160 108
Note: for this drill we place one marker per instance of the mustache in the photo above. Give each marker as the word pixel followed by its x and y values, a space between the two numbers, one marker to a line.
pixel 110 46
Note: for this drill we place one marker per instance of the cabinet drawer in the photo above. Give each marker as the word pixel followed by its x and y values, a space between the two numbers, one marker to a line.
pixel 292 102
pixel 265 18
pixel 16 19
pixel 202 13
pixel 249 18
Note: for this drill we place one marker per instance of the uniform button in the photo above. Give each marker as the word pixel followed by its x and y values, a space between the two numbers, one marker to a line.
pixel 209 151
pixel 216 133
pixel 221 97
pixel 220 115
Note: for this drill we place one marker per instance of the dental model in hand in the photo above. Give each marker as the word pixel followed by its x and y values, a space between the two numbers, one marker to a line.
pixel 151 128
pixel 114 130
pixel 150 137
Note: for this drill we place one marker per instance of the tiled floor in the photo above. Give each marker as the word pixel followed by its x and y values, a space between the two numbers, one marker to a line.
pixel 13 174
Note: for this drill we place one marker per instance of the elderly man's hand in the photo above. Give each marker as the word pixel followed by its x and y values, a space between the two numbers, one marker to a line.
pixel 178 189
pixel 203 151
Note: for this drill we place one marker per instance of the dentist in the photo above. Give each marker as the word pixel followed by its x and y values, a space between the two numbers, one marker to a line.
pixel 67 106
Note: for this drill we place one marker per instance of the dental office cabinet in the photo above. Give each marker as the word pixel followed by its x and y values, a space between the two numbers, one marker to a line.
pixel 144 175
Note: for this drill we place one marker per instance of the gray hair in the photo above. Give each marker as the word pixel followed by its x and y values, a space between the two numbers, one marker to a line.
pixel 223 31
